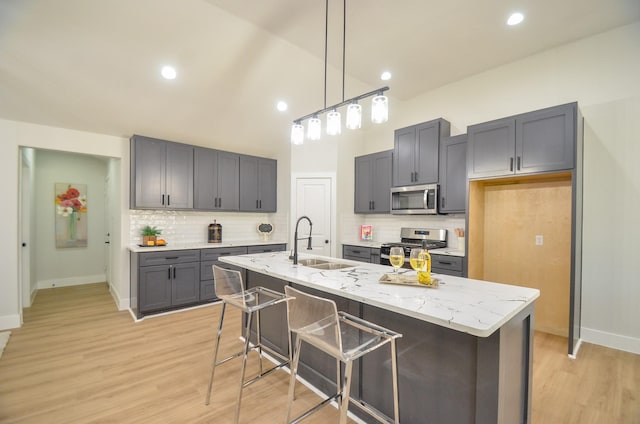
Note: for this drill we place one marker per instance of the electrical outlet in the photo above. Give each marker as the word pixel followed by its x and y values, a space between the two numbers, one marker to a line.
pixel 539 240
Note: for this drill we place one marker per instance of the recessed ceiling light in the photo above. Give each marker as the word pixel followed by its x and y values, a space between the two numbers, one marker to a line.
pixel 386 75
pixel 515 18
pixel 282 106
pixel 168 72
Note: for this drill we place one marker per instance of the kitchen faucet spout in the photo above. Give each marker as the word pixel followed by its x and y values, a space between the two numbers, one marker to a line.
pixel 295 239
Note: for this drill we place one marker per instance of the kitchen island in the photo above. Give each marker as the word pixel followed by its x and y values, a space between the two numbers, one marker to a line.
pixel 466 351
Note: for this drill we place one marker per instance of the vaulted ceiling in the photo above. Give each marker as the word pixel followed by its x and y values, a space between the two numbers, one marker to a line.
pixel 94 65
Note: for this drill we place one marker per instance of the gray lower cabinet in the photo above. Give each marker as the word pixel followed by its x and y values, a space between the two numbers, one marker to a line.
pixel 265 248
pixel 361 254
pixel 161 174
pixel 453 174
pixel 208 258
pixel 258 181
pixel 446 264
pixel 172 279
pixel 373 183
pixel 534 142
pixel 216 181
pixel 165 280
pixel 416 153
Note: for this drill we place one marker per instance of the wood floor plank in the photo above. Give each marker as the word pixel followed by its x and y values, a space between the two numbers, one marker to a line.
pixel 79 360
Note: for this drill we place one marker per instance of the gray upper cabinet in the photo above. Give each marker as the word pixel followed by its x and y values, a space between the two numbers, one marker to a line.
pixel 258 182
pixel 453 174
pixel 161 174
pixel 217 176
pixel 416 153
pixel 534 142
pixel 373 182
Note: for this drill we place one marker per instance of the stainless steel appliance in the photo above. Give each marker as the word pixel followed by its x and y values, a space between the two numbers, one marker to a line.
pixel 410 238
pixel 415 200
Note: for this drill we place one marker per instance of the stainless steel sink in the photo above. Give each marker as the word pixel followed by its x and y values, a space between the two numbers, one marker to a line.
pixel 312 262
pixel 323 264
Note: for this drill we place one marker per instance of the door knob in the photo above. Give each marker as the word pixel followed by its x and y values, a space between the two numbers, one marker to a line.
pixel 326 242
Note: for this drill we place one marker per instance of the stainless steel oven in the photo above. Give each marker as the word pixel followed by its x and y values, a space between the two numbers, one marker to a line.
pixel 410 238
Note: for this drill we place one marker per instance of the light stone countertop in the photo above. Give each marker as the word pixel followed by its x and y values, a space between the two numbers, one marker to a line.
pixel 470 306
pixel 202 245
pixel 362 243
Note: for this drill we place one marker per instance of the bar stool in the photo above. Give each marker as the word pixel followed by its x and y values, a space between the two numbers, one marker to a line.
pixel 230 288
pixel 345 337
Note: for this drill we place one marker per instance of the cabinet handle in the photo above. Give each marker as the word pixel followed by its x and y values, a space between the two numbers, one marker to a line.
pixel 511 164
pixel 443 202
pixel 163 200
pixel 373 205
pixel 256 203
pixel 168 199
pixel 518 164
pixel 355 252
pixel 171 257
pixel 174 273
pixel 445 263
pixel 169 273
pixel 260 204
pixel 416 178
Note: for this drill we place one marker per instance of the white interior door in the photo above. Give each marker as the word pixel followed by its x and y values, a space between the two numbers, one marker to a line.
pixel 313 199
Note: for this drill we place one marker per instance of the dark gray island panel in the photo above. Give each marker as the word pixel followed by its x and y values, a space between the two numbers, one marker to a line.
pixel 453 370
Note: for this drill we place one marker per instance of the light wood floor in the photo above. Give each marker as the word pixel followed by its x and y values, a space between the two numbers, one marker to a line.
pixel 78 360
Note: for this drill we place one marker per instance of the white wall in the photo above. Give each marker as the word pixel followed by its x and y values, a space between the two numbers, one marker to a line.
pixel 69 266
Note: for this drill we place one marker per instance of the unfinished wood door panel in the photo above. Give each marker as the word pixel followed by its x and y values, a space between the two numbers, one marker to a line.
pixel 513 214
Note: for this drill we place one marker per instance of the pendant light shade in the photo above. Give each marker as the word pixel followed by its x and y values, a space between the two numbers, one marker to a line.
pixel 334 125
pixel 297 133
pixel 379 109
pixel 354 116
pixel 314 128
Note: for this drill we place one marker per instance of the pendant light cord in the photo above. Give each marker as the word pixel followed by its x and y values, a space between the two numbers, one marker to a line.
pixel 344 41
pixel 326 37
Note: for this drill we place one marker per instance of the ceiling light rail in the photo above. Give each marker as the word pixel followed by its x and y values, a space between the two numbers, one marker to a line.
pixel 378 115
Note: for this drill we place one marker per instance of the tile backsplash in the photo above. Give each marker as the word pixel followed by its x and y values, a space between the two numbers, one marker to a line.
pixel 386 228
pixel 184 227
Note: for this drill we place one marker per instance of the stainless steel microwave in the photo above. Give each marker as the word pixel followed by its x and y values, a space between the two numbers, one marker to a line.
pixel 418 200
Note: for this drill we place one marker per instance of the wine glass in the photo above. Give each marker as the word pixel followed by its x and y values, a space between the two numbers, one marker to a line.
pixel 396 257
pixel 417 259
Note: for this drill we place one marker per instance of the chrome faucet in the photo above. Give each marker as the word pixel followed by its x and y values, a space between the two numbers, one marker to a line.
pixel 295 239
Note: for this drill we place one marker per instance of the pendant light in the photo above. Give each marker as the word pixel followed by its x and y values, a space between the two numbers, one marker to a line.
pixel 297 133
pixel 314 128
pixel 379 107
pixel 354 116
pixel 334 126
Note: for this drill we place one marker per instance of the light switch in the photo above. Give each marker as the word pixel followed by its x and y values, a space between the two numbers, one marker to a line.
pixel 539 240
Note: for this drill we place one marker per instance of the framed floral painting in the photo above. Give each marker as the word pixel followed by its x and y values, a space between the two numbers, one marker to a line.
pixel 71 215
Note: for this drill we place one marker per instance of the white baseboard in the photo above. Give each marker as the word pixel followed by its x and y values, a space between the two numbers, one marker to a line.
pixel 7 322
pixel 72 281
pixel 121 303
pixel 611 340
pixel 34 293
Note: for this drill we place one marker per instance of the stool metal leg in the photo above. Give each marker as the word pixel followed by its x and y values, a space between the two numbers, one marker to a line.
pixel 247 333
pixel 292 379
pixel 215 354
pixel 346 387
pixel 259 338
pixel 394 374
